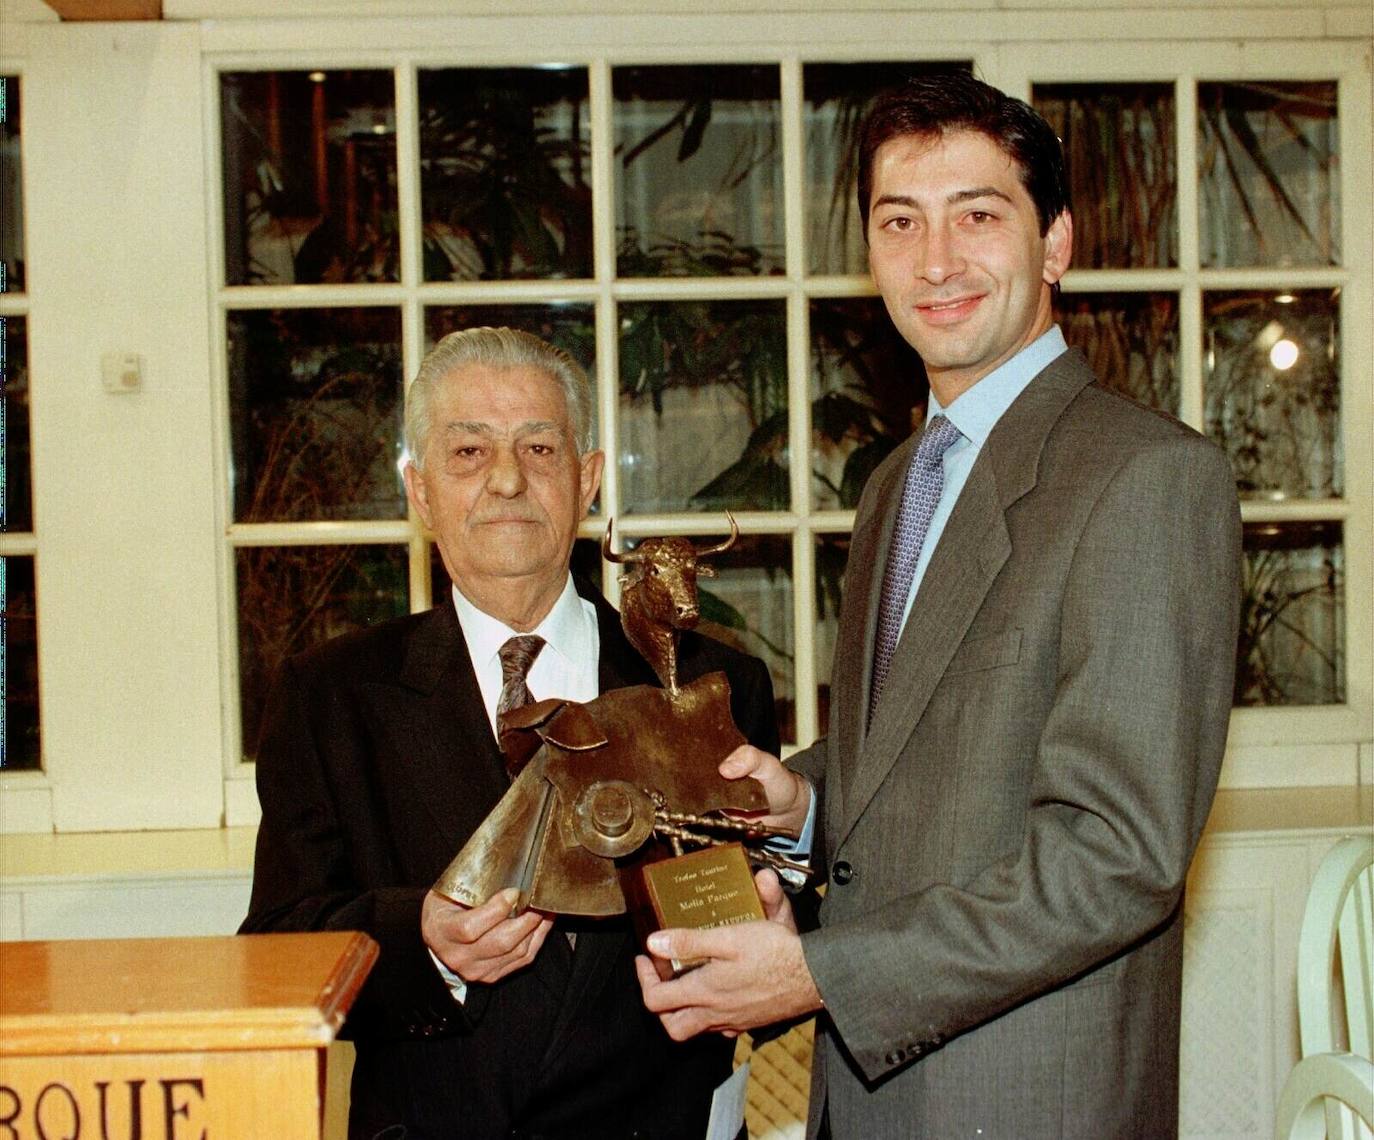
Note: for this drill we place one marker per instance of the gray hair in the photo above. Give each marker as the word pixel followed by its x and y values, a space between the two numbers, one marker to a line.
pixel 495 348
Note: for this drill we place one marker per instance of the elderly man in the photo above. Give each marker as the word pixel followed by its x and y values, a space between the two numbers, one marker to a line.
pixel 378 760
pixel 1031 693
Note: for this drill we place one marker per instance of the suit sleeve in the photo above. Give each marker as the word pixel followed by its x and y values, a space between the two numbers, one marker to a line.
pixel 308 870
pixel 1122 780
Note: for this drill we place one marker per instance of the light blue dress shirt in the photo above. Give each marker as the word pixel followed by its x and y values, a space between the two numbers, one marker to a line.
pixel 975 413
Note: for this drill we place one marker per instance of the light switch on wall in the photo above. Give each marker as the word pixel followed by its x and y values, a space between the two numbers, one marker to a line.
pixel 121 371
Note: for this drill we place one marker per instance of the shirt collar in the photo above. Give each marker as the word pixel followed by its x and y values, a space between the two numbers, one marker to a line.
pixel 975 412
pixel 564 628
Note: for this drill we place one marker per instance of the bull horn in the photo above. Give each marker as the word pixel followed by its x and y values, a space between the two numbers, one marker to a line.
pixel 610 555
pixel 721 548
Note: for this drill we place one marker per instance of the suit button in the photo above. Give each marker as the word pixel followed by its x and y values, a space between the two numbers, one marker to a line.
pixel 841 873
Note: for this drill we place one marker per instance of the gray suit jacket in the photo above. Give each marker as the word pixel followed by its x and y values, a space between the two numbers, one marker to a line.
pixel 1004 959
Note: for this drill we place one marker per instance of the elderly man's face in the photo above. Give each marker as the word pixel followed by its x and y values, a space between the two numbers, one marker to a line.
pixel 502 486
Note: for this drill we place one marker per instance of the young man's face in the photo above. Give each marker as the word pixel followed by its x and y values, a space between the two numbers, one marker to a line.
pixel 955 249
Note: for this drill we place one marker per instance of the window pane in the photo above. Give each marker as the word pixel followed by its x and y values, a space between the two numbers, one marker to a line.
pixel 698 170
pixel 1272 389
pixel 1269 159
pixel 309 177
pixel 16 497
pixel 868 389
pixel 19 733
pixel 837 96
pixel 570 326
pixel 832 557
pixel 315 407
pixel 504 179
pixel 293 597
pixel 703 406
pixel 748 605
pixel 1119 148
pixel 1131 341
pixel 1292 618
pixel 11 189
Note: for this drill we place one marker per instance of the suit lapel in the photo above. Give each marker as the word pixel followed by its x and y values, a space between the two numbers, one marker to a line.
pixel 445 729
pixel 972 550
pixel 852 671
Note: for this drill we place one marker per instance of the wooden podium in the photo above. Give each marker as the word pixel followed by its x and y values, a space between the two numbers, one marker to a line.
pixel 175 1038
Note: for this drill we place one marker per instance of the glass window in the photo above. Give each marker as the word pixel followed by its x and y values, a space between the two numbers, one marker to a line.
pixel 832 557
pixel 20 743
pixel 869 393
pixel 1269 174
pixel 1292 623
pixel 11 189
pixel 1272 385
pixel 316 406
pixel 1266 384
pixel 733 329
pixel 1120 152
pixel 703 406
pixel 504 181
pixel 1131 341
pixel 698 171
pixel 16 496
pixel 569 325
pixel 309 161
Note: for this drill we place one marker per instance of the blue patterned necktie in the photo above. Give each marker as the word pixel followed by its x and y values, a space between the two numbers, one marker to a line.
pixel 925 479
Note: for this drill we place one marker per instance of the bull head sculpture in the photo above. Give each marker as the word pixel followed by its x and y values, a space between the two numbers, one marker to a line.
pixel 659 597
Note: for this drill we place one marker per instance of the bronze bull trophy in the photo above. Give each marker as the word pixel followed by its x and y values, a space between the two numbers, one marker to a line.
pixel 613 793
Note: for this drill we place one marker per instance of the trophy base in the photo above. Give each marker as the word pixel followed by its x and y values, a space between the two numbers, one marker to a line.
pixel 699 890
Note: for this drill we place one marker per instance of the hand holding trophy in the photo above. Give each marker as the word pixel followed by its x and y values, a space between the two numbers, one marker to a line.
pixel 618 804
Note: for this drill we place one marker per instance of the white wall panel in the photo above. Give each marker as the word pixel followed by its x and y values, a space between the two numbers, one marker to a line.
pixel 124 493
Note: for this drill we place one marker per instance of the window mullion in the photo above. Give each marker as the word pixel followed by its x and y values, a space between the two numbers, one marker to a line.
pixel 409 221
pixel 602 107
pixel 1190 341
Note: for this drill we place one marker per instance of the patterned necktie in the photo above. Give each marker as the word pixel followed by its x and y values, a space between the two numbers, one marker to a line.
pixel 517 655
pixel 925 479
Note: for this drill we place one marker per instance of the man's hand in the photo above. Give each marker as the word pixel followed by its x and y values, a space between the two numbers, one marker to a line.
pixel 754 974
pixel 789 795
pixel 482 944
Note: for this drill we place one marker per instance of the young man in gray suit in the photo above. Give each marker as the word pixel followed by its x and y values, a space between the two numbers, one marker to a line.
pixel 379 759
pixel 1030 694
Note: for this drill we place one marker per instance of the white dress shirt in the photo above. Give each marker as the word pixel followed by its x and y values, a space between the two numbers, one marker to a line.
pixel 567 664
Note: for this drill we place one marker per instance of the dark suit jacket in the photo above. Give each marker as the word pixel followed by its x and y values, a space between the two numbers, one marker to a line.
pixel 1004 959
pixel 376 763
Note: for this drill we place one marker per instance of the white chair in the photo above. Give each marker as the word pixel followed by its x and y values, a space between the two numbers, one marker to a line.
pixel 1313 1087
pixel 1339 916
pixel 1336 984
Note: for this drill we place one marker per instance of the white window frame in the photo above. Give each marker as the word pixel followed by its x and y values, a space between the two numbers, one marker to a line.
pixel 1011 46
pixel 1269 746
